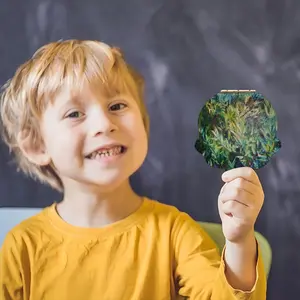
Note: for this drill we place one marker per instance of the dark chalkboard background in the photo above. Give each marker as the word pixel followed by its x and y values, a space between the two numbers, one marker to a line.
pixel 187 51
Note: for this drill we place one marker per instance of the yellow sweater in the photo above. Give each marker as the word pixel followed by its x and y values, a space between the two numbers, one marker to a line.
pixel 154 254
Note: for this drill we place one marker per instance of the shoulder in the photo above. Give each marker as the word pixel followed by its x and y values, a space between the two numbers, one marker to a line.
pixel 165 213
pixel 179 225
pixel 161 210
pixel 27 231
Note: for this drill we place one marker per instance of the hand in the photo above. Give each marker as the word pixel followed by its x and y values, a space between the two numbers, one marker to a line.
pixel 240 201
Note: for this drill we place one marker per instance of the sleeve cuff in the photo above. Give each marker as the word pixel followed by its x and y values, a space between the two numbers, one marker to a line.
pixel 259 287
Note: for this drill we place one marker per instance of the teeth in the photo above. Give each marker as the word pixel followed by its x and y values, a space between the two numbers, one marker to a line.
pixel 109 152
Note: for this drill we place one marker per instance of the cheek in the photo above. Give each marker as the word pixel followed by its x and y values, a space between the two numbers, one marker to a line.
pixel 140 138
pixel 63 143
pixel 137 129
pixel 134 123
pixel 134 127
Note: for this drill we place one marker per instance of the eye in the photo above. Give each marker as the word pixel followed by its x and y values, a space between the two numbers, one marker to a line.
pixel 118 106
pixel 74 115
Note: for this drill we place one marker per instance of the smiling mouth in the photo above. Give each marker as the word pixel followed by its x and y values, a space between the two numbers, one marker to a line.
pixel 110 152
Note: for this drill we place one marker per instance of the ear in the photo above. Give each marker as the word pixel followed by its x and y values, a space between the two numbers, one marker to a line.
pixel 34 151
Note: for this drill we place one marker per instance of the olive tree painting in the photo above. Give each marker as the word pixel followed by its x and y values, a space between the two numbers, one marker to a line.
pixel 237 129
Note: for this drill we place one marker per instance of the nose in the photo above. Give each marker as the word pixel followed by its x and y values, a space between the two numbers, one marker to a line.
pixel 101 122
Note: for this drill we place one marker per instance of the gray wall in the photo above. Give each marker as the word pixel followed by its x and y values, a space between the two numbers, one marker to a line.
pixel 187 51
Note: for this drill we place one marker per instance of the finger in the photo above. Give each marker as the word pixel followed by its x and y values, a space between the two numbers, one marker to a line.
pixel 238 195
pixel 243 184
pixel 223 188
pixel 236 209
pixel 244 172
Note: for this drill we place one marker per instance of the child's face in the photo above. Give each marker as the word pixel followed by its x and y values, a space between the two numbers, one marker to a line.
pixel 73 128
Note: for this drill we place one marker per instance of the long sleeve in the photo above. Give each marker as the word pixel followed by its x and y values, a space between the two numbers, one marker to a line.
pixel 11 283
pixel 200 271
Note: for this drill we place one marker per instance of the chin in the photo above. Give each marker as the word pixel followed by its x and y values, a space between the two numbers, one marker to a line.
pixel 109 182
pixel 107 187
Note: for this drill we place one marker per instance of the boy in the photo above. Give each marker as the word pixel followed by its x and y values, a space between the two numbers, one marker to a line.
pixel 74 117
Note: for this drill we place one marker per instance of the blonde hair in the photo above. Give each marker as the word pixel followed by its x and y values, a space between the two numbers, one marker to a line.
pixel 56 66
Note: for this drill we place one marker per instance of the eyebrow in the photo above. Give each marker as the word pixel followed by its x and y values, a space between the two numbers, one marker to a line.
pixel 64 102
pixel 69 99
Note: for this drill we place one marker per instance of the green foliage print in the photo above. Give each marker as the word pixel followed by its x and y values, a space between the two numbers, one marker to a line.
pixel 237 129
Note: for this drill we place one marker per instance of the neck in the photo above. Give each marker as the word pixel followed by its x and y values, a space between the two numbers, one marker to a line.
pixel 96 209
